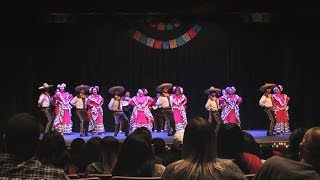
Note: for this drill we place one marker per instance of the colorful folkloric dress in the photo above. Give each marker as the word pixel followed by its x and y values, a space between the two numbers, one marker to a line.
pixel 141 114
pixel 95 113
pixel 62 121
pixel 179 110
pixel 230 108
pixel 280 102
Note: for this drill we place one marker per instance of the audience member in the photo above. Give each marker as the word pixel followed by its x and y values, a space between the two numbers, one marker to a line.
pixel 160 151
pixel 92 153
pixel 199 156
pixel 174 154
pixel 109 153
pixel 22 137
pixel 53 151
pixel 136 158
pixel 77 156
pixel 295 139
pixel 307 168
pixel 230 146
pixel 250 145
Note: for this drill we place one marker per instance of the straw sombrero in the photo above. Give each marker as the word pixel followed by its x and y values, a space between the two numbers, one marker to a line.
pixel 115 88
pixel 163 85
pixel 212 89
pixel 78 88
pixel 45 86
pixel 267 86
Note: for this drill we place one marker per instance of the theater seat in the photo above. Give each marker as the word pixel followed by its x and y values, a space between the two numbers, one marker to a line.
pixel 132 178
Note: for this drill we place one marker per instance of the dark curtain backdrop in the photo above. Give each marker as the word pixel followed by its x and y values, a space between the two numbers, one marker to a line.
pixel 99 51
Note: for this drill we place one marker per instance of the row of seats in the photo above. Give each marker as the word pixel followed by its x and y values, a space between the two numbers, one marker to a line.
pixel 110 177
pixel 83 176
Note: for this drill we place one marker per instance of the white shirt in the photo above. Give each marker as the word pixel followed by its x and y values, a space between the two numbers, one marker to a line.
pixel 163 101
pixel 125 101
pixel 114 105
pixel 265 101
pixel 78 102
pixel 212 105
pixel 44 100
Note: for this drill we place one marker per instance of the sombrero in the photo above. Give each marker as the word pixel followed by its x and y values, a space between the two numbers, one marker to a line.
pixel 212 89
pixel 163 85
pixel 267 86
pixel 116 88
pixel 78 88
pixel 45 86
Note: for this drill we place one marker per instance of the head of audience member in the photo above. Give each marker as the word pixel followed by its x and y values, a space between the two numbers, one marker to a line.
pixel 159 145
pixel 92 150
pixel 198 153
pixel 295 139
pixel 53 150
pixel 144 132
pixel 77 154
pixel 199 141
pixel 22 135
pixel 250 145
pixel 77 146
pixel 229 140
pixel 109 152
pixel 136 157
pixel 310 148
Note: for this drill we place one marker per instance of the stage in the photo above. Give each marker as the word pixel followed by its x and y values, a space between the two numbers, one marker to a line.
pixel 259 135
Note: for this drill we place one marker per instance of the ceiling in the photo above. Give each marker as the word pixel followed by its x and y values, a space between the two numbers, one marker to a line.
pixel 177 7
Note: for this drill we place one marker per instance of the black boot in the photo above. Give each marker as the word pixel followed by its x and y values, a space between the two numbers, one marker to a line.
pixel 116 129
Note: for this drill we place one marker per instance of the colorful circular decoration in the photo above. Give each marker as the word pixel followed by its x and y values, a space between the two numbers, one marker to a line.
pixel 165 43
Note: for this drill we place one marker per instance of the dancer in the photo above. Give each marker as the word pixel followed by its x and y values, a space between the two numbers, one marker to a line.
pixel 115 105
pixel 44 103
pixel 126 107
pixel 179 101
pixel 95 111
pixel 266 103
pixel 280 102
pixel 165 103
pixel 213 107
pixel 158 119
pixel 80 103
pixel 230 106
pixel 55 102
pixel 141 114
pixel 62 121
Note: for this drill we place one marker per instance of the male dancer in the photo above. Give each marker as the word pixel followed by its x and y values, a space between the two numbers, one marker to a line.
pixel 213 107
pixel 165 103
pixel 80 102
pixel 44 103
pixel 115 105
pixel 266 103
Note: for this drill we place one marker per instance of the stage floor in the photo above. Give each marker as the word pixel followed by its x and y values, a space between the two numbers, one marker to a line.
pixel 259 135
